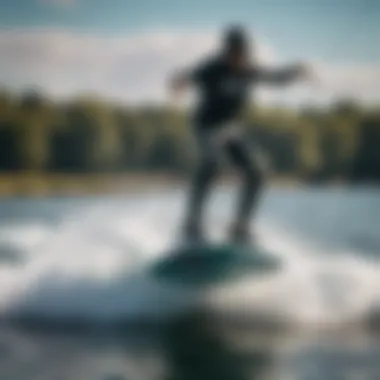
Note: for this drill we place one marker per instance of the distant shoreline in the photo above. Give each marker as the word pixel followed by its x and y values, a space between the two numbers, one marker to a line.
pixel 26 184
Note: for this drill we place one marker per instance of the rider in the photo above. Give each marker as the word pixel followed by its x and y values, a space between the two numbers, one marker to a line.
pixel 224 81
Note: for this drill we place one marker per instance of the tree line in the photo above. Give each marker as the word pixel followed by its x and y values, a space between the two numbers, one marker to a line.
pixel 88 134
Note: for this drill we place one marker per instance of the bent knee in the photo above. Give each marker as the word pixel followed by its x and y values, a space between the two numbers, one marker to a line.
pixel 254 176
pixel 207 170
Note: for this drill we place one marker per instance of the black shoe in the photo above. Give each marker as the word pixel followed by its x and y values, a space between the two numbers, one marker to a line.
pixel 193 234
pixel 242 236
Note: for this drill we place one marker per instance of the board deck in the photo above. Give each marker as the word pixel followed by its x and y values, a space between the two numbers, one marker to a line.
pixel 211 264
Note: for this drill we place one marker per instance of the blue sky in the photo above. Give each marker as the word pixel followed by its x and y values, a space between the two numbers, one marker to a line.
pixel 333 31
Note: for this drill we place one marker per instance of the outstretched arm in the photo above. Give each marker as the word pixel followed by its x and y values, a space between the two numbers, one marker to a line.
pixel 182 80
pixel 285 75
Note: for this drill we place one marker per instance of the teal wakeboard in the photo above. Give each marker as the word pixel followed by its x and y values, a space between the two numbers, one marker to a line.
pixel 211 264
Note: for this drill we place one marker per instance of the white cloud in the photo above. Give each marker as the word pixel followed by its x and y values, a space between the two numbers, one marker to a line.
pixel 135 67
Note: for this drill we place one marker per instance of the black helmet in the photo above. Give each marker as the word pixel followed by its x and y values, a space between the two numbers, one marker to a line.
pixel 235 40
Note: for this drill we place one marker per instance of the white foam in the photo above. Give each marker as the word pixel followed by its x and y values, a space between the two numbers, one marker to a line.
pixel 94 266
pixel 313 288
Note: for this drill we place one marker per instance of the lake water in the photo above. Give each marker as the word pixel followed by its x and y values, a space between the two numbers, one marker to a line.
pixel 77 300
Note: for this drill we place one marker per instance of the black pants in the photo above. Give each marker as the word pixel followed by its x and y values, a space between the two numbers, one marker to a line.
pixel 213 144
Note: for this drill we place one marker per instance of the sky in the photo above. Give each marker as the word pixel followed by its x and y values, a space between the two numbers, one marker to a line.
pixel 125 49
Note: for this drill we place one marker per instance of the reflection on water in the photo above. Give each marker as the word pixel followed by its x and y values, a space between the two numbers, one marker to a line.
pixel 195 351
pixel 189 348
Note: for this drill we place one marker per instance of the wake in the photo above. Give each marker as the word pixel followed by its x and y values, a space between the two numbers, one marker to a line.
pixel 94 267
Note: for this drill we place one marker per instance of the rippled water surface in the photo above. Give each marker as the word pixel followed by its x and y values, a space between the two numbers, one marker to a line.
pixel 77 300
